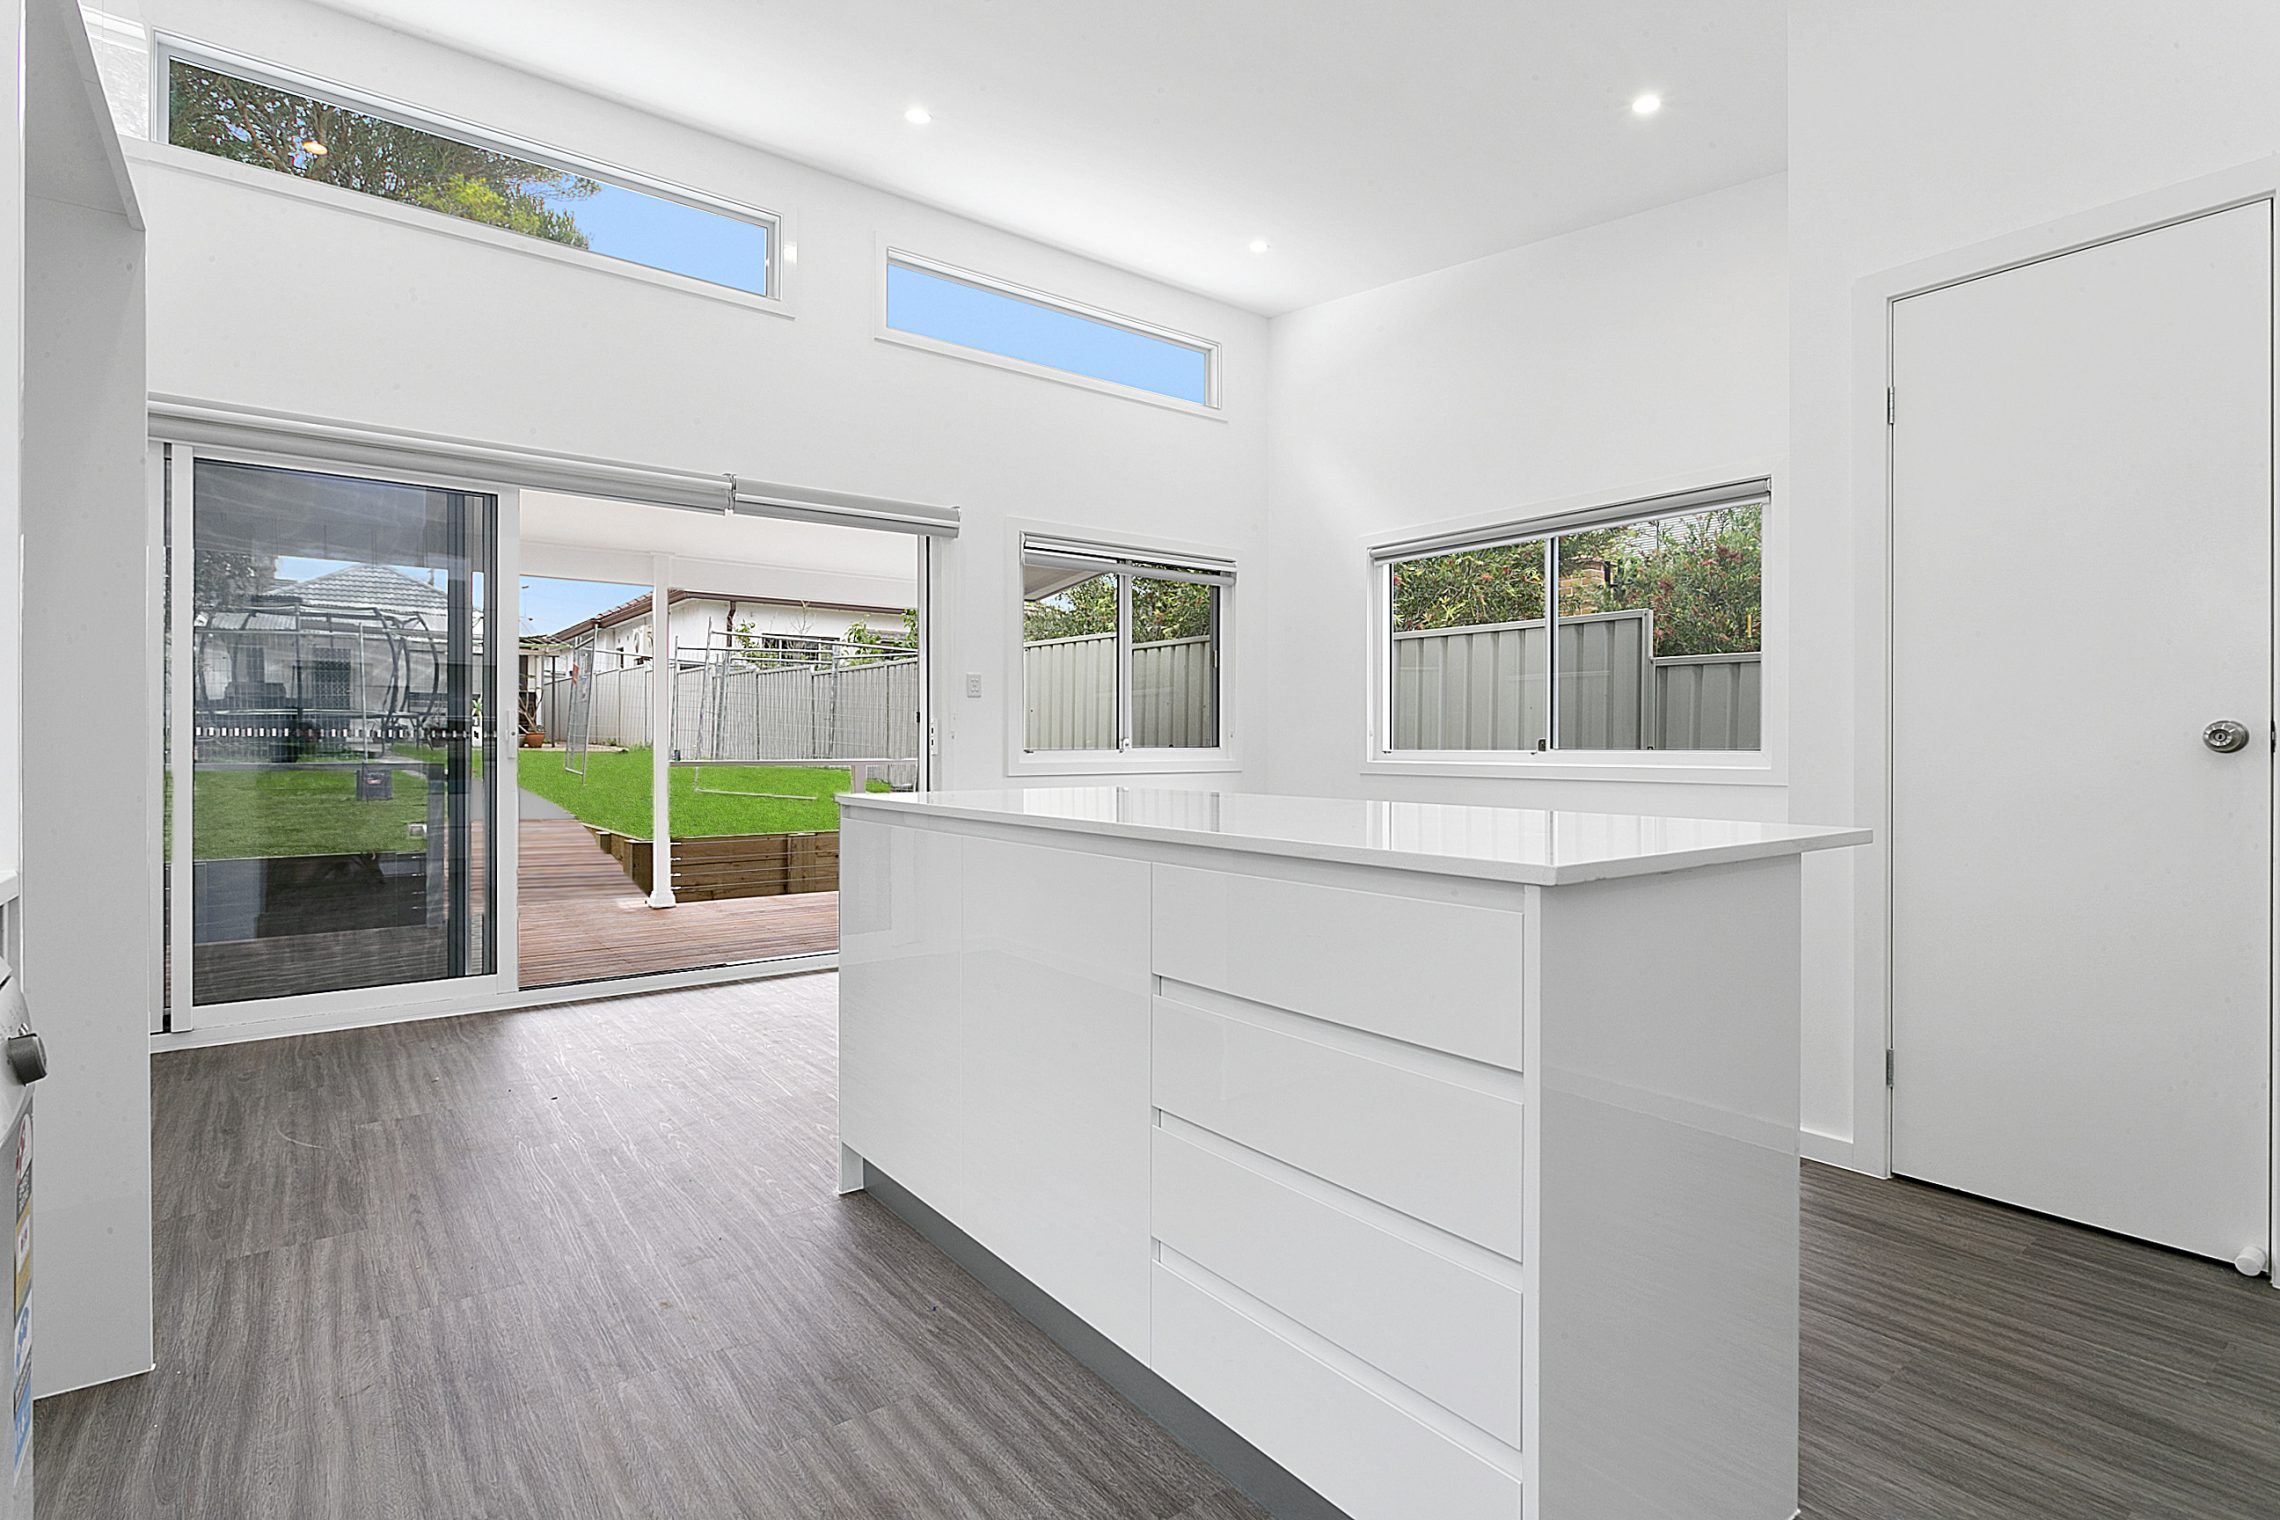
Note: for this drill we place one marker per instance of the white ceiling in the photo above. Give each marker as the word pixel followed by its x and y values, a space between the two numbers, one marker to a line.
pixel 1366 141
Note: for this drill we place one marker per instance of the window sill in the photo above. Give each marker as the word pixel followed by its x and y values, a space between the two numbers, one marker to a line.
pixel 1668 767
pixel 419 218
pixel 1151 762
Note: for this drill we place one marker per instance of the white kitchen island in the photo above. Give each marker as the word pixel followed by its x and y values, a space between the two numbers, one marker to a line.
pixel 1447 1155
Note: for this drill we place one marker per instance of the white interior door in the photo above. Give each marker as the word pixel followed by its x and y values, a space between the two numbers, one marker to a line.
pixel 2082 583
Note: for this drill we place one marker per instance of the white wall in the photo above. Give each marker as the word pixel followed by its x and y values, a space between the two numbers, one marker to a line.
pixel 257 297
pixel 1915 130
pixel 90 924
pixel 1651 349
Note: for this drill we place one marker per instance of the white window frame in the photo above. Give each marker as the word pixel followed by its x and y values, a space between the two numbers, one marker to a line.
pixel 166 48
pixel 1125 759
pixel 1763 766
pixel 1208 347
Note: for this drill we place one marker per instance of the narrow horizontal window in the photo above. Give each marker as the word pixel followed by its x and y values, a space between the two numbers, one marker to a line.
pixel 458 171
pixel 1639 628
pixel 934 302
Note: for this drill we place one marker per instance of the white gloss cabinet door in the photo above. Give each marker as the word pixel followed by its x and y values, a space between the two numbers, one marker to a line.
pixel 899 1041
pixel 1435 972
pixel 1054 1075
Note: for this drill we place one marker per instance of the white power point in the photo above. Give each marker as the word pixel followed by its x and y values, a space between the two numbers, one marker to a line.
pixel 973 683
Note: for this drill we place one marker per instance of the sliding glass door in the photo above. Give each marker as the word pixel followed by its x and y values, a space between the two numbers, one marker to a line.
pixel 331 697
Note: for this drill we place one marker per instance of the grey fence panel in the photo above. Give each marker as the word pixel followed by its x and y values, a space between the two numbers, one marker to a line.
pixel 851 712
pixel 1711 701
pixel 1069 686
pixel 1483 688
pixel 1603 680
pixel 1173 694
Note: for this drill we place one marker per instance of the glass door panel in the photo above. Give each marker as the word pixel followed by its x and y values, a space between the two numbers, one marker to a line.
pixel 339 688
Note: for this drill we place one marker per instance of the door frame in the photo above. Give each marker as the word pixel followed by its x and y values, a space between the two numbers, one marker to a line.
pixel 1874 296
pixel 179 1014
pixel 171 451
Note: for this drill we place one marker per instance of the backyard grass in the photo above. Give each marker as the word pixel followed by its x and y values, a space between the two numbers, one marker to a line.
pixel 246 814
pixel 615 795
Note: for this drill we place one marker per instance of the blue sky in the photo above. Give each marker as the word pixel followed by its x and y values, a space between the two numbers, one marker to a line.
pixel 549 605
pixel 955 312
pixel 664 234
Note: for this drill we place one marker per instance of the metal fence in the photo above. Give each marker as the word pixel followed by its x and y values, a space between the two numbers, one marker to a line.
pixel 1069 686
pixel 1485 687
pixel 749 712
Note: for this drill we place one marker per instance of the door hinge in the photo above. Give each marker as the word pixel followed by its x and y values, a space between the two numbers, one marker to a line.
pixel 1887 1067
pixel 1891 406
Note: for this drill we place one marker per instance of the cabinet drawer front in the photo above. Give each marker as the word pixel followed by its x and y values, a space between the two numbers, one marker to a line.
pixel 1449 1331
pixel 1350 1441
pixel 1436 1149
pixel 1444 975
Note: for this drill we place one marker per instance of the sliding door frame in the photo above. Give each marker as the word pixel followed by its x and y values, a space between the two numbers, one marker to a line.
pixel 182 1013
pixel 177 1022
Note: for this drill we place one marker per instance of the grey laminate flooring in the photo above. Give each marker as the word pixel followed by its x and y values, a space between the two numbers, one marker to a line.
pixel 585 1261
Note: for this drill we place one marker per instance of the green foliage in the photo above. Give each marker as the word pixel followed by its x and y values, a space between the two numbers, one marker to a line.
pixel 516 210
pixel 1699 574
pixel 861 634
pixel 1160 610
pixel 272 129
pixel 1470 587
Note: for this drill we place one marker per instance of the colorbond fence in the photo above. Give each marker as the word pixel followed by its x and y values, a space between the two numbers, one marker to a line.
pixel 1453 689
pixel 1070 687
pixel 1485 687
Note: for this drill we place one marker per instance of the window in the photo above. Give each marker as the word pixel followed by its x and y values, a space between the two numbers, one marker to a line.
pixel 251 116
pixel 1119 649
pixel 959 311
pixel 1652 640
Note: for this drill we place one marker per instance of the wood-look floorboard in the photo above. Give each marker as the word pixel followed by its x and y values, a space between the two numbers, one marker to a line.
pixel 586 1261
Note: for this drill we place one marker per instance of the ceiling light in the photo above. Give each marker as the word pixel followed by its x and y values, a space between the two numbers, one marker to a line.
pixel 1260 245
pixel 1646 105
pixel 314 148
pixel 918 116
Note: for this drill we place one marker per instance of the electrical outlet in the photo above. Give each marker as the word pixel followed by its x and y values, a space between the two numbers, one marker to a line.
pixel 973 683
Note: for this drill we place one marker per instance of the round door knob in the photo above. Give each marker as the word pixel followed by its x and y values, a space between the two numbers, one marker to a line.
pixel 2225 736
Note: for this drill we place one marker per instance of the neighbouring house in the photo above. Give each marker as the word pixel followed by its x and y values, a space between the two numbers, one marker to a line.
pixel 699 619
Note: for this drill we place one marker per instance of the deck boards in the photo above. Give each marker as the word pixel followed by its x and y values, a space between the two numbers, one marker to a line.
pixel 580 918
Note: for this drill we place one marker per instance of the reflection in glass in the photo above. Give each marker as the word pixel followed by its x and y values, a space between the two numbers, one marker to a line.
pixel 338 687
pixel 1069 677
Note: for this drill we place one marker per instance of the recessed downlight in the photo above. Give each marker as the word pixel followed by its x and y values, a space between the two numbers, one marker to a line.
pixel 1259 245
pixel 918 116
pixel 1646 105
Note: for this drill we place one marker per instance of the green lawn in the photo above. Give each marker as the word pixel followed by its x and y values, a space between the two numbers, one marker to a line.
pixel 615 794
pixel 243 814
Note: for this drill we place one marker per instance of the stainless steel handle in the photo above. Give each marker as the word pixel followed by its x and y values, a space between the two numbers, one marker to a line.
pixel 2225 736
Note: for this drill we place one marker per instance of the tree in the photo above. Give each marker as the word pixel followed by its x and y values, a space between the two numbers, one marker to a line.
pixel 889 646
pixel 309 139
pixel 1699 574
pixel 1161 610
